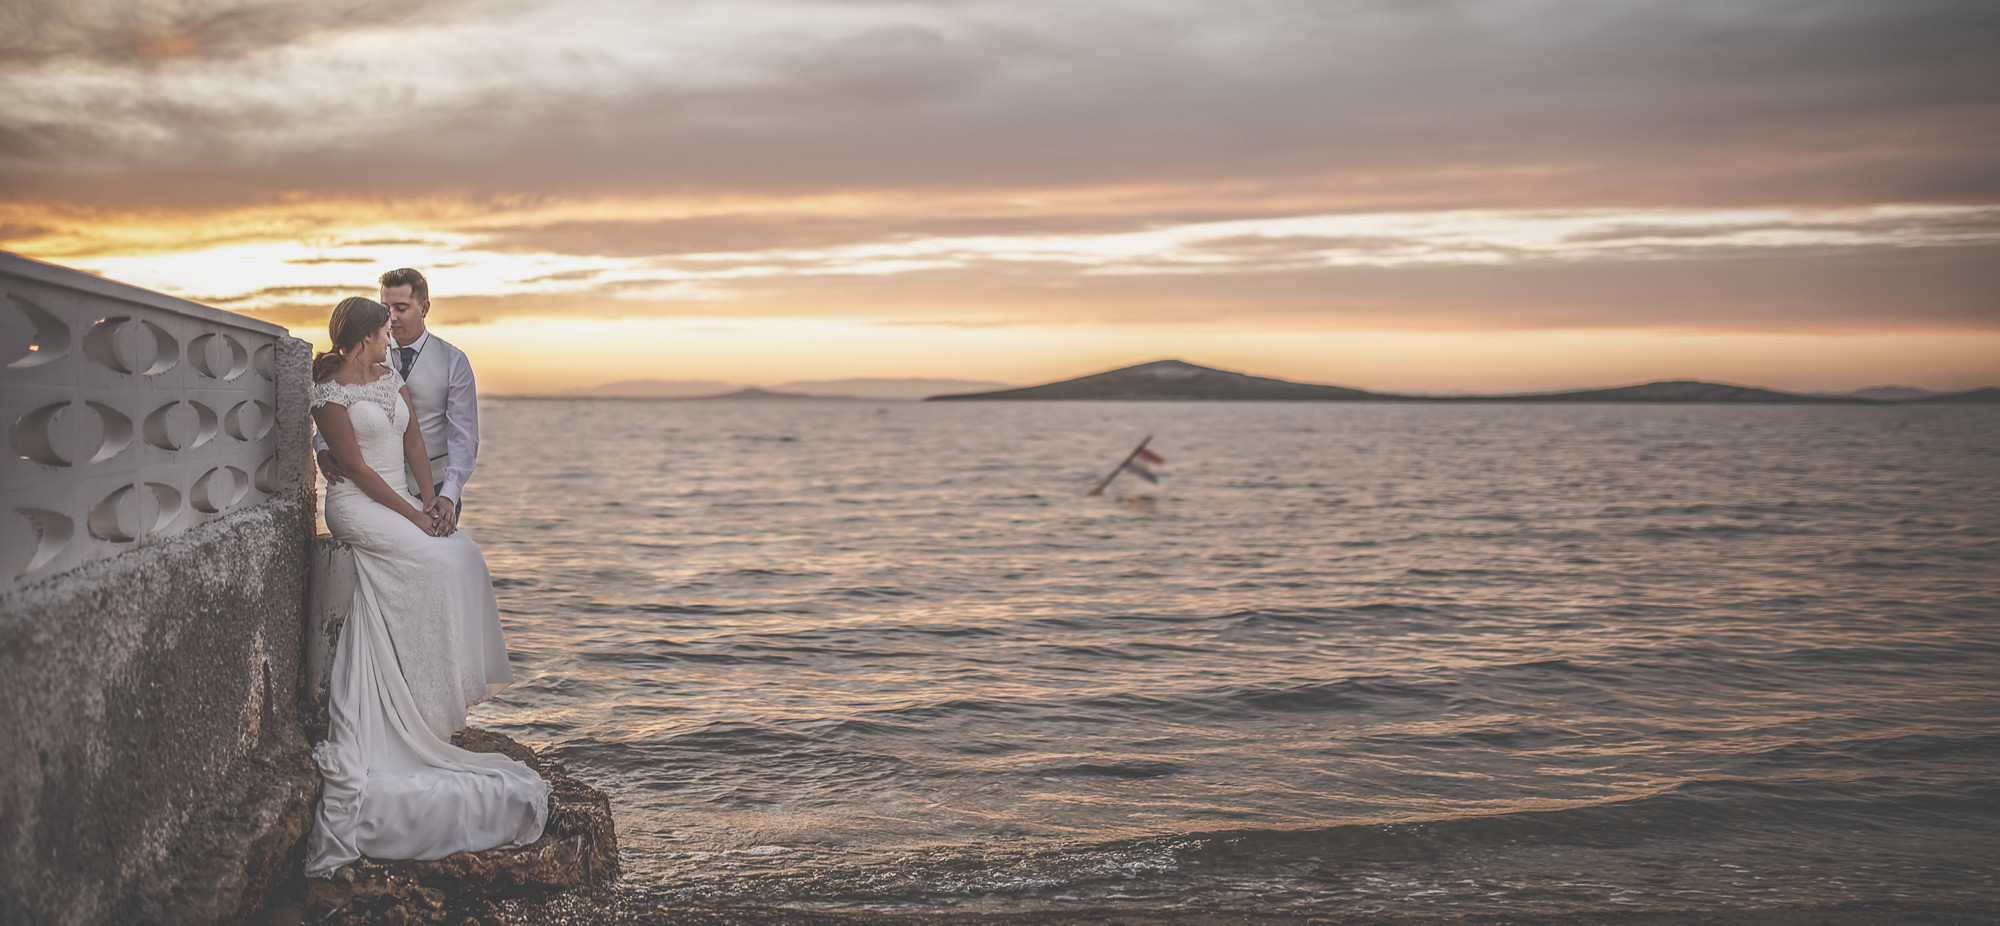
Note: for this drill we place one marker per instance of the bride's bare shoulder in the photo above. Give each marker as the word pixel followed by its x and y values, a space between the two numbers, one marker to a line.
pixel 374 373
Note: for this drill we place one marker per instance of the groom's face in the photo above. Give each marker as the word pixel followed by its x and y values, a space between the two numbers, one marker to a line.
pixel 406 314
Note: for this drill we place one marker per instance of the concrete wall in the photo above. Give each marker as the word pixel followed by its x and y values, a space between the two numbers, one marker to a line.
pixel 158 515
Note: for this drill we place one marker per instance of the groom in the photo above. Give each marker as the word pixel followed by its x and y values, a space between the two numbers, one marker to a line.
pixel 440 381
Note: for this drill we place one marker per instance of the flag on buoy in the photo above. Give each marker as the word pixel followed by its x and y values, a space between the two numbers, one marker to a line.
pixel 1135 463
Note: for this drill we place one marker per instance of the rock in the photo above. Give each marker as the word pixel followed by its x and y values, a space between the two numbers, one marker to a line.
pixel 578 848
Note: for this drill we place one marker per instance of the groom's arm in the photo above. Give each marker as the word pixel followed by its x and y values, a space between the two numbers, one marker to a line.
pixel 461 413
pixel 328 466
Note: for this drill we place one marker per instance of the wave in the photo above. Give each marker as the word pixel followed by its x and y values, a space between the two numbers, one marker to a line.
pixel 1702 809
pixel 1521 863
pixel 633 657
pixel 1343 694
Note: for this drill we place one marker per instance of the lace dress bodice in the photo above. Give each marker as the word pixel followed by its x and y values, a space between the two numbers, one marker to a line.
pixel 379 415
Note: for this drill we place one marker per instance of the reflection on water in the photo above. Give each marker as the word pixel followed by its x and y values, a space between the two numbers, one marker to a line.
pixel 1349 657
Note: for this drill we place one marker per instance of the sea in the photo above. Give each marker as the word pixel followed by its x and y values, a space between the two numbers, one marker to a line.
pixel 1343 658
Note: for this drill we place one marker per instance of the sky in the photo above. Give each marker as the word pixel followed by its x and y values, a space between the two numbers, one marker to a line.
pixel 1440 196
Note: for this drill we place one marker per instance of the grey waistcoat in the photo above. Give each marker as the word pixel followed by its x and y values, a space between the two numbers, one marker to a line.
pixel 429 379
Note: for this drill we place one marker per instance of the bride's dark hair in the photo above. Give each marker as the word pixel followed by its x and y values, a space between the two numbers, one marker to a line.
pixel 356 317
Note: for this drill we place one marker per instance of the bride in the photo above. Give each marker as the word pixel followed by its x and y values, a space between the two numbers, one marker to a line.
pixel 421 643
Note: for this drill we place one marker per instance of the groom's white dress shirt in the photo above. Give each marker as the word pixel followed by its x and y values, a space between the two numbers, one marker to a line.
pixel 447 406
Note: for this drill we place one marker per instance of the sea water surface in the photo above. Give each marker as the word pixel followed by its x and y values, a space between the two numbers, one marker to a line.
pixel 1346 657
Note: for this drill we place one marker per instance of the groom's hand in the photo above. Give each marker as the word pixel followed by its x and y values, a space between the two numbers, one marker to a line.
pixel 446 512
pixel 330 468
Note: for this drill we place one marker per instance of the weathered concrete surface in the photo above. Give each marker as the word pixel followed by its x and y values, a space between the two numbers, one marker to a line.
pixel 578 849
pixel 135 703
pixel 152 767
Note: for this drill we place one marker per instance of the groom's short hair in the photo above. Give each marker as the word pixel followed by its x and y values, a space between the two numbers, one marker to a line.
pixel 419 290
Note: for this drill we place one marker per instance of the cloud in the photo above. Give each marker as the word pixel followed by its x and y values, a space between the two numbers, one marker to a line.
pixel 1294 247
pixel 128 33
pixel 737 233
pixel 1778 290
pixel 269 294
pixel 1737 269
pixel 1506 103
pixel 566 276
pixel 1318 164
pixel 10 231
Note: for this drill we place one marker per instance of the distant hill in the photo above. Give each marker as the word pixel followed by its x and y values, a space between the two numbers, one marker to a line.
pixel 1989 395
pixel 1180 380
pixel 880 389
pixel 754 394
pixel 1880 394
pixel 1171 380
pixel 886 388
pixel 654 389
pixel 1673 391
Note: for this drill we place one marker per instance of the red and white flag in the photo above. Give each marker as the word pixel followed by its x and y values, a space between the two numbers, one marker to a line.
pixel 1139 463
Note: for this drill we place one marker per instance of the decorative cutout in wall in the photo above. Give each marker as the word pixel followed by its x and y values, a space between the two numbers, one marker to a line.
pixel 49 341
pixel 125 346
pixel 55 434
pixel 266 479
pixel 113 441
pixel 106 522
pixel 219 488
pixel 181 425
pixel 218 356
pixel 34 435
pixel 116 429
pixel 249 420
pixel 52 529
pixel 266 362
pixel 166 507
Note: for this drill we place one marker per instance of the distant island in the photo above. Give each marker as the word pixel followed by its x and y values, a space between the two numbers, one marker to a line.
pixel 754 394
pixel 875 389
pixel 654 389
pixel 1178 380
pixel 886 388
pixel 1880 393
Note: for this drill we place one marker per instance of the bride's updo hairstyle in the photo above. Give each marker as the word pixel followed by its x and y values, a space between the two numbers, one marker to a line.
pixel 356 317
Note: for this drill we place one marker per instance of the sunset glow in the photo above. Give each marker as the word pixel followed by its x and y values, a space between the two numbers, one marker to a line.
pixel 771 190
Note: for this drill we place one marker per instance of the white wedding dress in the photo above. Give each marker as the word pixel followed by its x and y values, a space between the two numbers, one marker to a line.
pixel 422 643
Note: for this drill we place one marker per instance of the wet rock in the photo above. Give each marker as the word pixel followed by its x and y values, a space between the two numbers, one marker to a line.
pixel 578 849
